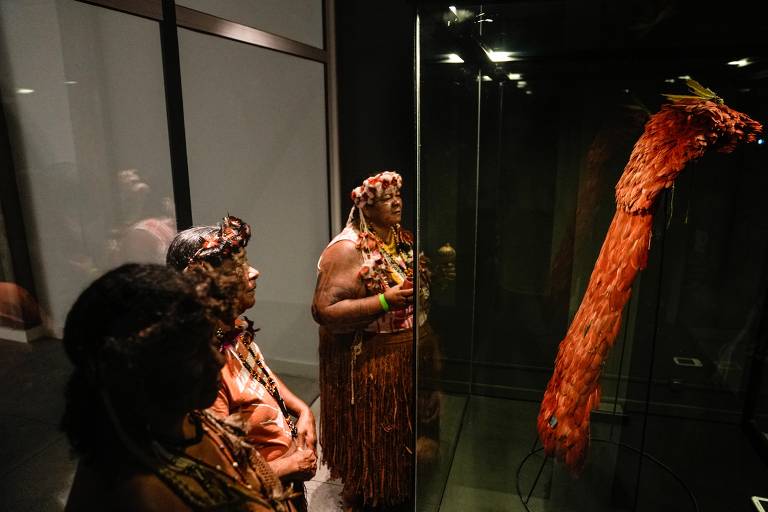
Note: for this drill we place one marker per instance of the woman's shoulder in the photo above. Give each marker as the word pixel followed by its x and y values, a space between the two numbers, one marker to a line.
pixel 341 251
pixel 126 488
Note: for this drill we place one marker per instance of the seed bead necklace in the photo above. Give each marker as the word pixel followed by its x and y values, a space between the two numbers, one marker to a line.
pixel 215 487
pixel 391 252
pixel 260 372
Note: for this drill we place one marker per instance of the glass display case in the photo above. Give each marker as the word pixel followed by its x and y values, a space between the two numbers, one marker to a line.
pixel 527 114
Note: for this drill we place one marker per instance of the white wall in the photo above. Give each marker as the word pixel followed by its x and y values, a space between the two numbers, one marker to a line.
pixel 255 123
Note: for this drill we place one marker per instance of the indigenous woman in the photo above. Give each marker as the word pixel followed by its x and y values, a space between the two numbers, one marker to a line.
pixel 364 305
pixel 143 344
pixel 250 394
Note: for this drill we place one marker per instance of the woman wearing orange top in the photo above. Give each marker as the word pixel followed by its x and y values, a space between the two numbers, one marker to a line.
pixel 250 394
pixel 142 342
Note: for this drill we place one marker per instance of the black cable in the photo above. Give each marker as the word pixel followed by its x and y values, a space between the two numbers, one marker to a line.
pixel 614 443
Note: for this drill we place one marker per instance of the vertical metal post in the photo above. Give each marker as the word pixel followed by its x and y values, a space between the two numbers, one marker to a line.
pixel 332 119
pixel 174 105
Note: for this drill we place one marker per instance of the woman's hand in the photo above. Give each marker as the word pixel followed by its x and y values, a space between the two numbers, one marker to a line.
pixel 305 425
pixel 398 297
pixel 303 465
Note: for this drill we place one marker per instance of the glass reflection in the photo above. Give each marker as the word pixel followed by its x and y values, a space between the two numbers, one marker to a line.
pixel 519 159
pixel 85 115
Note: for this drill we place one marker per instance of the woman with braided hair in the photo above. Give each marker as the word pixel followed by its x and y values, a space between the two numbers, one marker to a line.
pixel 364 304
pixel 250 395
pixel 142 341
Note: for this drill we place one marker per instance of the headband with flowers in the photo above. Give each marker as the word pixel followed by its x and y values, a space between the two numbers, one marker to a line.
pixel 374 187
pixel 233 234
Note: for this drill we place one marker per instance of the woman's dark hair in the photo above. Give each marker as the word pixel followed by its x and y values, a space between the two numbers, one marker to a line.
pixel 186 244
pixel 122 334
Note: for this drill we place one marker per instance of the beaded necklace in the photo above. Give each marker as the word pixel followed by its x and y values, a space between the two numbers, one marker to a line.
pixel 395 255
pixel 389 262
pixel 257 370
pixel 216 488
pixel 219 489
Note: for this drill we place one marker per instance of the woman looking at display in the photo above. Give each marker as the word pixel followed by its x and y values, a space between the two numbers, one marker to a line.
pixel 142 341
pixel 364 304
pixel 250 394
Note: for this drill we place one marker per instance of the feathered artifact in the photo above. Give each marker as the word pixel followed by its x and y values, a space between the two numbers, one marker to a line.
pixel 680 132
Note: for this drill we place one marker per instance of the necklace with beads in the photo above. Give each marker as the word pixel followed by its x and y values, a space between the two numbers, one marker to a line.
pixel 396 258
pixel 215 487
pixel 254 365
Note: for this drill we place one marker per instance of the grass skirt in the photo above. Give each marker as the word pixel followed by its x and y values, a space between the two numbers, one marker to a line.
pixel 367 420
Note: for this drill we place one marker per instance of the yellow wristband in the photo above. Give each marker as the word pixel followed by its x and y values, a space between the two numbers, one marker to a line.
pixel 383 302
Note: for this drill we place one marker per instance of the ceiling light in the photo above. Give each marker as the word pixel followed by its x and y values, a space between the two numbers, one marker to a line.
pixel 25 91
pixel 529 91
pixel 70 82
pixel 670 80
pixel 521 84
pixel 486 78
pixel 514 76
pixel 684 77
pixel 452 58
pixel 740 63
pixel 495 56
pixel 452 8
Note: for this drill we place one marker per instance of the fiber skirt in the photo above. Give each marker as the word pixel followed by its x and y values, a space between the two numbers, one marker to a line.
pixel 366 418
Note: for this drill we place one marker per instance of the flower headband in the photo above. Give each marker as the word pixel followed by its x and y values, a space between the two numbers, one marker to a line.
pixel 233 234
pixel 374 187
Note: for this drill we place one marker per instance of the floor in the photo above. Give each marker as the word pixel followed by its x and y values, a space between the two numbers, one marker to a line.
pixel 484 443
pixel 714 461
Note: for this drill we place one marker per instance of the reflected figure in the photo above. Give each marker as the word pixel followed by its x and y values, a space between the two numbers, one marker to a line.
pixel 147 223
pixel 364 304
pixel 142 339
pixel 18 308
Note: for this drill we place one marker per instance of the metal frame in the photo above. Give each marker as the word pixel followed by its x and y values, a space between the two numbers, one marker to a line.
pixel 209 24
pixel 174 107
pixel 332 119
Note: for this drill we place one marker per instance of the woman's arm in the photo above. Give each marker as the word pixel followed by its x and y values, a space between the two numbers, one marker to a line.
pixel 339 299
pixel 305 423
pixel 299 465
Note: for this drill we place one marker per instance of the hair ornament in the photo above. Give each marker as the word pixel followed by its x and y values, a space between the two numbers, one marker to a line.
pixel 233 234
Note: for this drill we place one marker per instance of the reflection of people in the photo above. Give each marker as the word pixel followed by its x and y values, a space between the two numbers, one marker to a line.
pixel 18 309
pixel 364 305
pixel 250 394
pixel 142 341
pixel 147 223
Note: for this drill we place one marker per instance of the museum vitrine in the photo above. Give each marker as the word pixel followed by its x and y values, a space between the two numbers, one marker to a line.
pixel 528 113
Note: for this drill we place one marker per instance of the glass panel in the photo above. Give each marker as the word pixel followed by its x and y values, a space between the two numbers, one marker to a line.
pixel 448 118
pixel 760 415
pixel 565 90
pixel 255 124
pixel 85 111
pixel 300 20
